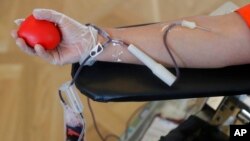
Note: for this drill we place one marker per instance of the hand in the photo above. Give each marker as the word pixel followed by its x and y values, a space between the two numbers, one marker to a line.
pixel 77 39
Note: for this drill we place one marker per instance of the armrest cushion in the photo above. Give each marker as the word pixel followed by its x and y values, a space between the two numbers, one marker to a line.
pixel 115 82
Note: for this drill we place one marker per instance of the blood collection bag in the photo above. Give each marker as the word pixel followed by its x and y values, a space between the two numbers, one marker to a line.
pixel 73 118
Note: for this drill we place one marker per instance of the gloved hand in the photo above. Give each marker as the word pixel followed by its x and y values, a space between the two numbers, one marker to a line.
pixel 77 39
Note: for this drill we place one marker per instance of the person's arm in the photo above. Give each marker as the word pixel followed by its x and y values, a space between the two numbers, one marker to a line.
pixel 227 44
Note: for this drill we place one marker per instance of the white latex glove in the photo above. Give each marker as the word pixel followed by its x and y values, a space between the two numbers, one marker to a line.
pixel 77 39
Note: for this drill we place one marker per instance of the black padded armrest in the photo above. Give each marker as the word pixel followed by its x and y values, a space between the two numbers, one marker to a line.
pixel 115 82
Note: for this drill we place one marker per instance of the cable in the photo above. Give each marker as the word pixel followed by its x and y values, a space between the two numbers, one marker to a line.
pixel 184 23
pixel 136 111
pixel 111 135
pixel 94 120
pixel 79 70
pixel 60 96
pixel 96 126
pixel 109 40
pixel 169 51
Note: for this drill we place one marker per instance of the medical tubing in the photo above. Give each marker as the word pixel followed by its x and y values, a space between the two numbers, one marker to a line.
pixel 158 72
pixel 61 98
pixel 177 69
pixel 111 136
pixel 94 121
pixel 110 40
pixel 101 32
pixel 105 44
pixel 83 129
pixel 79 70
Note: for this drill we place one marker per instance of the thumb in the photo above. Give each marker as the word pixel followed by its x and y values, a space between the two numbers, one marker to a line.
pixel 18 21
pixel 48 14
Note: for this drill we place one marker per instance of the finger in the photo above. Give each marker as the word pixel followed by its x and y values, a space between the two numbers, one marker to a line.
pixel 41 52
pixel 24 47
pixel 21 43
pixel 19 21
pixel 48 14
pixel 14 34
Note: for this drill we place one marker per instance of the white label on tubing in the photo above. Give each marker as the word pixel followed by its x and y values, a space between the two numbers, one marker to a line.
pixel 159 70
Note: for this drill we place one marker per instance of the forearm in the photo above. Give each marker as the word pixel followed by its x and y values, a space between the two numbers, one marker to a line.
pixel 228 43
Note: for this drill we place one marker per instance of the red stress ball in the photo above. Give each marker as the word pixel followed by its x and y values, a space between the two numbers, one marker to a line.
pixel 41 32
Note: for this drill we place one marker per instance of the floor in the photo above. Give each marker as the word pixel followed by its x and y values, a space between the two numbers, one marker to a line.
pixel 29 104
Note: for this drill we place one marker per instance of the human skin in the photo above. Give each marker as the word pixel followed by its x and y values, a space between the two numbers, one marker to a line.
pixel 227 43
